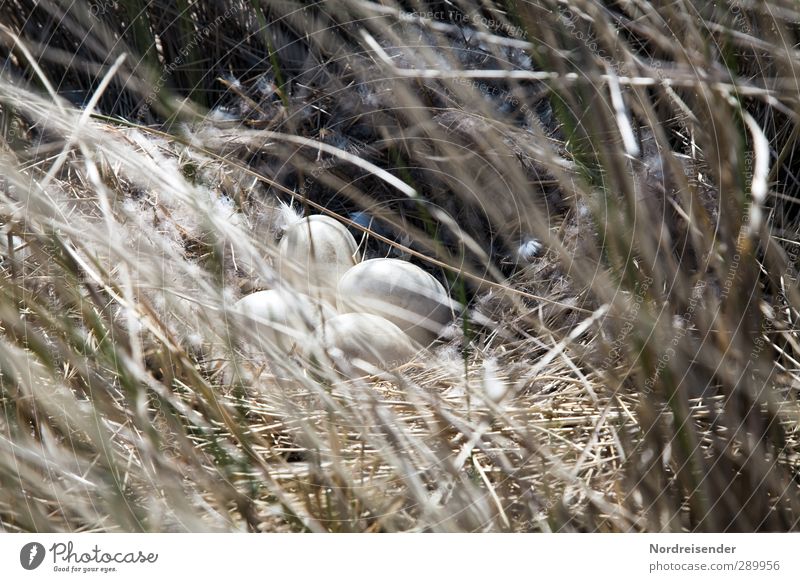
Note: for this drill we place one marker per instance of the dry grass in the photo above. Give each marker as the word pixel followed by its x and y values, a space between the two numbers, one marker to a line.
pixel 640 375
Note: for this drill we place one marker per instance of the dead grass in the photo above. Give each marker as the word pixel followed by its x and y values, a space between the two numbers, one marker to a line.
pixel 640 375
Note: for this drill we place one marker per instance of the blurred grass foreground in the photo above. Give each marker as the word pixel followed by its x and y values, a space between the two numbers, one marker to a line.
pixel 610 189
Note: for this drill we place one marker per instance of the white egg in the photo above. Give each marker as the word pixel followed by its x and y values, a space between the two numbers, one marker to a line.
pixel 314 253
pixel 400 292
pixel 281 318
pixel 366 337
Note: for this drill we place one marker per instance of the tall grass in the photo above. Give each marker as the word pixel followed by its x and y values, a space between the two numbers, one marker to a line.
pixel 640 375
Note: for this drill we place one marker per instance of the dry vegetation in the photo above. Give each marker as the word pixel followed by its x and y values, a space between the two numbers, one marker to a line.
pixel 639 375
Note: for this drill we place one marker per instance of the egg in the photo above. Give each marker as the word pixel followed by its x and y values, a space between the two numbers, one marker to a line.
pixel 281 318
pixel 314 253
pixel 367 338
pixel 400 292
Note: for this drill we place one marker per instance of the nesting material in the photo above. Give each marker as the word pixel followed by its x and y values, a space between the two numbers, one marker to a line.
pixel 400 292
pixel 281 319
pixel 368 338
pixel 314 253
